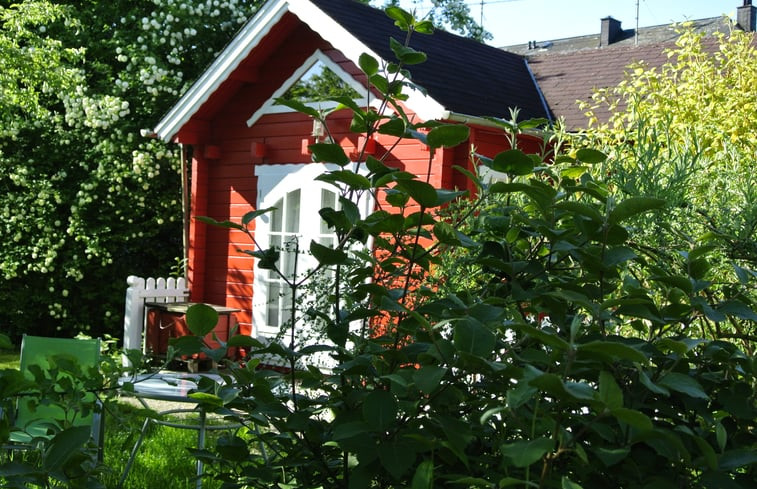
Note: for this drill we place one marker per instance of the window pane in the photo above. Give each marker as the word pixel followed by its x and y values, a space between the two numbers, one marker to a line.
pixel 328 199
pixel 292 224
pixel 272 307
pixel 288 257
pixel 286 307
pixel 276 216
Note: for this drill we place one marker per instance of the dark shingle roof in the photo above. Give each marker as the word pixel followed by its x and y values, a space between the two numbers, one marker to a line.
pixel 463 75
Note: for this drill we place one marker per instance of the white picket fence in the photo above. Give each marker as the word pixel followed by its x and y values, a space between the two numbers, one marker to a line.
pixel 142 290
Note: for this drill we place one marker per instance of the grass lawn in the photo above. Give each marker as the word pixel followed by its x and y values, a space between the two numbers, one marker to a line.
pixel 163 460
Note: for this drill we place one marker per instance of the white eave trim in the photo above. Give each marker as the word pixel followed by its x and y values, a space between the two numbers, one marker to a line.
pixel 226 62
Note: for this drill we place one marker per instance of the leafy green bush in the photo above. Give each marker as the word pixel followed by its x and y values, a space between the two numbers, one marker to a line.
pixel 571 354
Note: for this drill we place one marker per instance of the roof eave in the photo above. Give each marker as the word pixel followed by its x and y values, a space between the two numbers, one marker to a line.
pixel 486 122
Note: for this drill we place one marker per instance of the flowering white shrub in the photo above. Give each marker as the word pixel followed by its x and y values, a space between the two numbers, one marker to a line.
pixel 86 201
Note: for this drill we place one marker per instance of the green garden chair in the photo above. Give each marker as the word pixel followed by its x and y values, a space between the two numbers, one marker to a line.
pixel 62 357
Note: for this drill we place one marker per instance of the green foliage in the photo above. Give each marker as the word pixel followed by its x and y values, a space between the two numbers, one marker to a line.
pixel 319 86
pixel 85 201
pixel 65 456
pixel 682 133
pixel 529 337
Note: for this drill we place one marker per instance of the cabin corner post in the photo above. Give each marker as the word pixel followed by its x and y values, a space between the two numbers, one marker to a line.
pixel 197 229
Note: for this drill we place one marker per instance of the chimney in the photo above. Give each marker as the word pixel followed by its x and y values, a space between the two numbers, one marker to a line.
pixel 610 31
pixel 746 16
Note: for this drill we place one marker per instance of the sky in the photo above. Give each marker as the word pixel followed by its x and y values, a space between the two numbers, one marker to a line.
pixel 519 21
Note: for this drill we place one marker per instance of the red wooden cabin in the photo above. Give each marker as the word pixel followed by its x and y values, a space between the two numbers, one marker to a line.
pixel 248 153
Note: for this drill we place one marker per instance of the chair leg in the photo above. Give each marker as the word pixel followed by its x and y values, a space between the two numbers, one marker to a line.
pixel 200 446
pixel 98 433
pixel 133 453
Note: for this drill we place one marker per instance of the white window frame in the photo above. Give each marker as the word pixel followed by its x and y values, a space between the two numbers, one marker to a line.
pixel 274 182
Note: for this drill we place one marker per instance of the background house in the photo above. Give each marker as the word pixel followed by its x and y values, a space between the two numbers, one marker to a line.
pixel 571 69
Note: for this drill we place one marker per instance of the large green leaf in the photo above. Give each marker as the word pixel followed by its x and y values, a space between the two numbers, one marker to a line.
pixel 350 429
pixel 326 255
pixel 733 459
pixel 588 155
pixel 471 336
pixel 580 209
pixel 447 135
pixel 220 224
pixel 64 445
pixel 526 452
pixel 423 193
pixel 244 341
pixel 397 457
pixel 250 216
pixel 186 345
pixel 424 476
pixel 428 378
pixel 266 258
pixel 368 64
pixel 402 18
pixel 329 153
pixel 201 319
pixel 609 391
pixel 610 456
pixel 298 106
pixel 634 206
pixel 617 255
pixel 737 309
pixel 546 337
pixel 380 409
pixel 684 384
pixel 614 349
pixel 353 180
pixel 405 54
pixel 513 162
pixel 634 418
pixel 647 382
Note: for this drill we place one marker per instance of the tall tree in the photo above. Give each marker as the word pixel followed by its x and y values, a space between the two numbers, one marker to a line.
pixel 451 15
